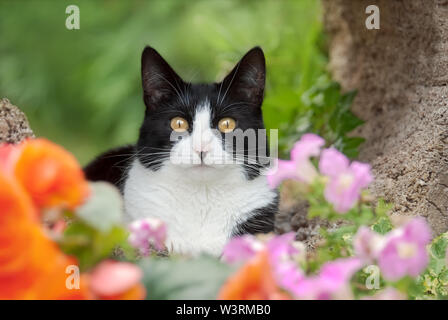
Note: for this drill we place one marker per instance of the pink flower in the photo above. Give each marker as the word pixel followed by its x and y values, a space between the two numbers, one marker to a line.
pixel 332 282
pixel 111 278
pixel 283 251
pixel 299 167
pixel 368 244
pixel 405 251
pixel 146 233
pixel 387 294
pixel 9 154
pixel 346 180
pixel 285 255
pixel 399 253
pixel 282 247
pixel 240 249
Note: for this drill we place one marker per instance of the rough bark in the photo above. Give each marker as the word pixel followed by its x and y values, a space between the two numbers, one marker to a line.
pixel 401 74
pixel 14 125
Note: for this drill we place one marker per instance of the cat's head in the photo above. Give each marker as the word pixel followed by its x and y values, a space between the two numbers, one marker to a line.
pixel 202 128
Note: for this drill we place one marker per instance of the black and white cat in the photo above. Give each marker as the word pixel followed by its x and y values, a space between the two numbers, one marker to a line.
pixel 203 202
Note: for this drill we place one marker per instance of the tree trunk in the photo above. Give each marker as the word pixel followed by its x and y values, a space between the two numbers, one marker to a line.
pixel 401 74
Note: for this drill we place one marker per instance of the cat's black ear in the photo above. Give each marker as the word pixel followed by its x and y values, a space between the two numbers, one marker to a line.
pixel 160 82
pixel 247 79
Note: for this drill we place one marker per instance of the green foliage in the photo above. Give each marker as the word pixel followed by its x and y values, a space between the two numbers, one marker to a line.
pixel 382 226
pixel 90 245
pixel 435 280
pixel 362 214
pixel 82 88
pixel 95 230
pixel 181 278
pixel 326 112
pixel 104 208
pixel 337 243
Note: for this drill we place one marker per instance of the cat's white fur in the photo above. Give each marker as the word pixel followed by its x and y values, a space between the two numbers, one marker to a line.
pixel 201 205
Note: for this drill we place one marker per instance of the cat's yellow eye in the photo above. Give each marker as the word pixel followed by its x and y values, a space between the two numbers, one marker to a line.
pixel 226 125
pixel 179 124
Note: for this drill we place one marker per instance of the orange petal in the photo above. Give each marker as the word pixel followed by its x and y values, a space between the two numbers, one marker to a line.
pixel 31 265
pixel 253 281
pixel 51 175
pixel 137 292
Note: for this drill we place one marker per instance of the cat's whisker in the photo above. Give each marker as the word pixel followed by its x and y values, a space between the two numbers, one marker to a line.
pixel 227 107
pixel 174 88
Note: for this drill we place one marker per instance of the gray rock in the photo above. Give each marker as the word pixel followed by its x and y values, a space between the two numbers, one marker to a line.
pixel 14 125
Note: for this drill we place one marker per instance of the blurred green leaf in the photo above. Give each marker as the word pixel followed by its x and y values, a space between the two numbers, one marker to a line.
pixel 439 246
pixel 435 278
pixel 181 278
pixel 383 208
pixel 89 245
pixel 103 209
pixel 382 226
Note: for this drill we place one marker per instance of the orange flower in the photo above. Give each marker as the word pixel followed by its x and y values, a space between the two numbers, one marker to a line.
pixel 16 234
pixel 51 175
pixel 253 281
pixel 35 175
pixel 31 265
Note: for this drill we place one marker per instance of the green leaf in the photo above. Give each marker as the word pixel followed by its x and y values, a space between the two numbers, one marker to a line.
pixel 439 246
pixel 347 99
pixel 383 208
pixel 349 145
pixel 443 277
pixel 180 278
pixel 382 226
pixel 104 207
pixel 90 245
pixel 348 122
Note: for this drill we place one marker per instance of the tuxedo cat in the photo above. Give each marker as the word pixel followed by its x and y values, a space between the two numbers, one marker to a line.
pixel 184 170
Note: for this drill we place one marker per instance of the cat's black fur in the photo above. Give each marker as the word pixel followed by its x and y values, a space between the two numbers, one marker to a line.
pixel 111 166
pixel 166 96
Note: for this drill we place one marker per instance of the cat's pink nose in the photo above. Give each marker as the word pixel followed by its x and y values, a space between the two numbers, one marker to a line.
pixel 202 148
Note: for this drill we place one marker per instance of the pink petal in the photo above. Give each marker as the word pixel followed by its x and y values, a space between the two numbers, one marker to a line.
pixel 332 162
pixel 308 146
pixel 147 232
pixel 110 277
pixel 394 267
pixel 342 201
pixel 9 154
pixel 285 170
pixel 418 230
pixel 282 246
pixel 240 249
pixel 333 280
pixel 387 294
pixel 367 244
pixel 361 171
pixel 415 233
pixel 338 272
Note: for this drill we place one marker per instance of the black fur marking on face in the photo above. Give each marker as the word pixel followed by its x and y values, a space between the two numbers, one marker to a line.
pixel 166 95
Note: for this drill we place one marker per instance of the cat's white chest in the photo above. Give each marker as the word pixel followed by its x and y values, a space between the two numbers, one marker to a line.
pixel 200 207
